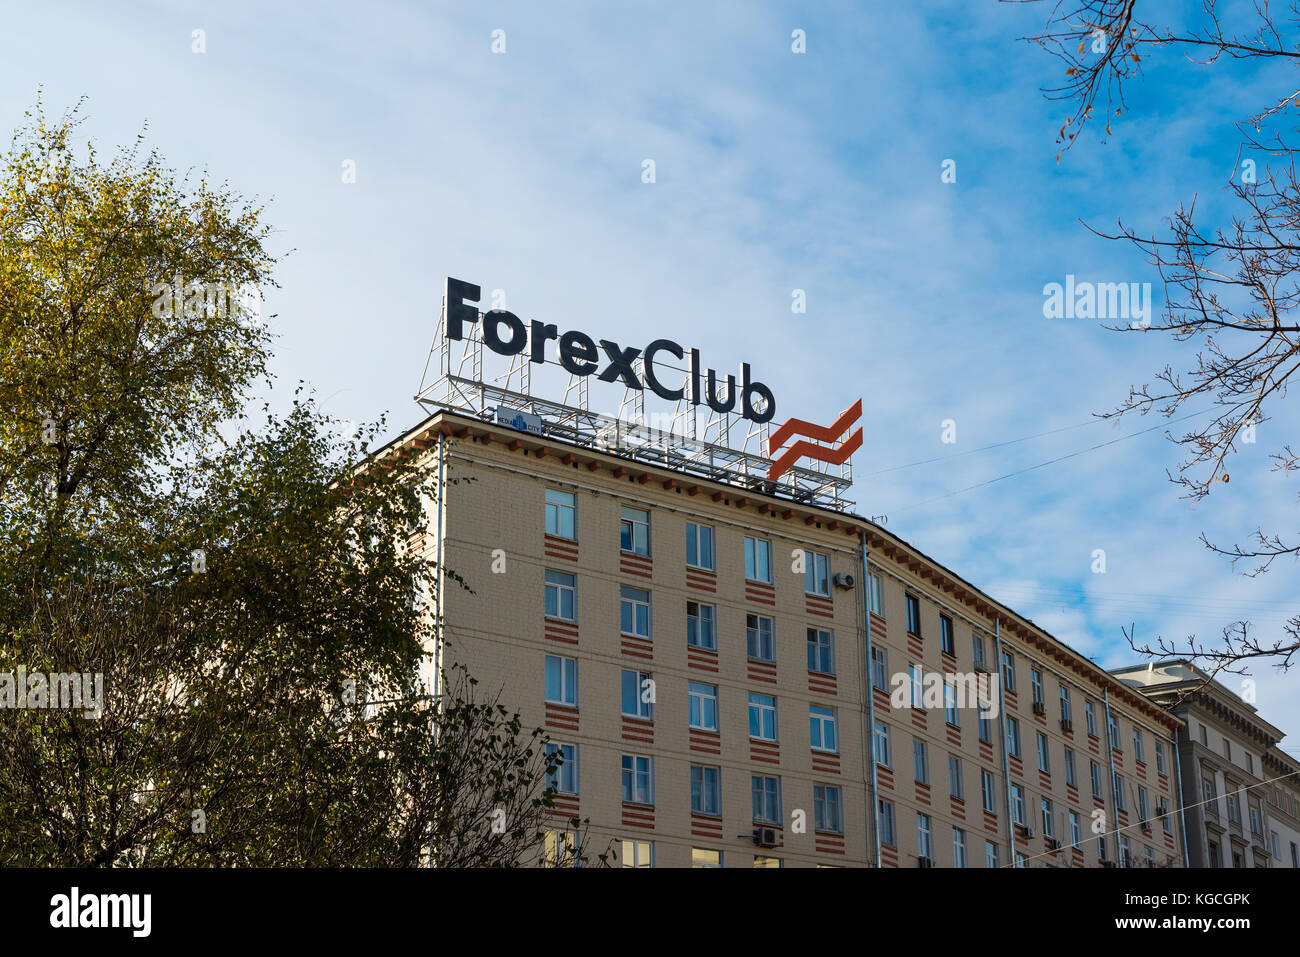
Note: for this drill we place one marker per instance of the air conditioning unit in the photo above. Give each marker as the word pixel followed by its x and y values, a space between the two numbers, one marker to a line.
pixel 1067 725
pixel 765 836
pixel 843 580
pixel 924 862
pixel 1053 844
pixel 1040 707
pixel 1146 826
pixel 1106 863
pixel 1027 832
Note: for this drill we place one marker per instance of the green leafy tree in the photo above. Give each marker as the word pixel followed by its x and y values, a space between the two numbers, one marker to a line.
pixel 250 601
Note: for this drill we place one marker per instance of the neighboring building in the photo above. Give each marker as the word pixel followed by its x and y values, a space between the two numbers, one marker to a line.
pixel 1283 796
pixel 1242 793
pixel 700 651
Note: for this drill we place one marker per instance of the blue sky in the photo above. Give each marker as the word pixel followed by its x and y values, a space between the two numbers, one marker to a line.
pixel 775 171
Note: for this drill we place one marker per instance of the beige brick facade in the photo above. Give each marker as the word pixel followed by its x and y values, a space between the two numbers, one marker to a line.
pixel 495 511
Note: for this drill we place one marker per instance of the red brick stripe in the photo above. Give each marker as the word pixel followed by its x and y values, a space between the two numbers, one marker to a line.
pixel 561 548
pixel 822 684
pixel 701 580
pixel 637 648
pixel 707 742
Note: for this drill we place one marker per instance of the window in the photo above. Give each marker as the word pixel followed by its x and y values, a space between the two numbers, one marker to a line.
pixel 1076 831
pixel 764 861
pixel 1020 860
pixel 1049 829
pixel 880 745
pixel 991 855
pixel 956 786
pixel 638 779
pixel 875 594
pixel 816 574
pixel 977 650
pixel 1018 804
pixel 1121 803
pixel 1139 754
pixel 561 594
pixel 828 812
pixel 634 531
pixel 1090 715
pixel 706 791
pixel 700 857
pixel 1227 749
pixel 1044 757
pixel 634 611
pixel 950 713
pixel 1256 821
pixel 703 706
pixel 1125 858
pixel 917 685
pixel 822 730
pixel 924 838
pixel 1008 672
pixel 699 626
pixel 821 651
pixel 920 762
pixel 758 560
pixel 1048 826
pixel 638 854
pixel 1163 810
pixel 1094 769
pixel 1013 736
pixel 562 680
pixel 946 644
pixel 1112 723
pixel 1065 703
pixel 699 545
pixel 958 847
pixel 564 777
pixel 985 727
pixel 988 792
pixel 759 640
pixel 1160 757
pixel 560 849
pixel 1036 685
pixel 561 514
pixel 1211 799
pixel 638 695
pixel 1205 736
pixel 879 668
pixel 1101 847
pixel 1070 777
pixel 913 616
pixel 887 835
pixel 762 717
pixel 767 799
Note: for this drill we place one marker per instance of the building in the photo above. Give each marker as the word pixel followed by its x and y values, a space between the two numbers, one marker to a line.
pixel 700 652
pixel 1243 791
pixel 739 670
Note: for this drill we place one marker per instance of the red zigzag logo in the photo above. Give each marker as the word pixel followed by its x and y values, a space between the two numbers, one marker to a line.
pixel 801 448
